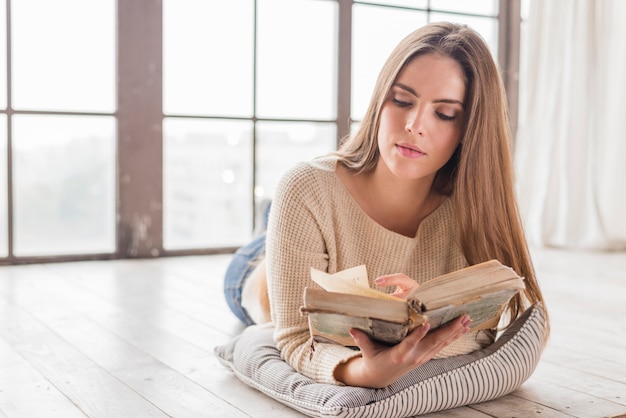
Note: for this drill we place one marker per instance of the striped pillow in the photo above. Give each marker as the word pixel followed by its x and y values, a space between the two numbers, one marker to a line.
pixel 438 385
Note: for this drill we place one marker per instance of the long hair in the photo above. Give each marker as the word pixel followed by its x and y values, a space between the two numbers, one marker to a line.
pixel 479 175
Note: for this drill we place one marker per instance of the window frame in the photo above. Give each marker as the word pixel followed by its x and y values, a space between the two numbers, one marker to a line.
pixel 139 115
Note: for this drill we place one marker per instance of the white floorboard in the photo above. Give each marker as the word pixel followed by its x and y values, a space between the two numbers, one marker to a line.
pixel 134 338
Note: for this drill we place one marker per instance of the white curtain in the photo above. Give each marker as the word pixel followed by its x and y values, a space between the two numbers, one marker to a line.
pixel 571 144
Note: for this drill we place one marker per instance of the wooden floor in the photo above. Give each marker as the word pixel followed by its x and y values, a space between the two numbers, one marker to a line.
pixel 135 339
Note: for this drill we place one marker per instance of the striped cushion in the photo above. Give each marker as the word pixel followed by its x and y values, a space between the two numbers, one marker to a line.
pixel 437 385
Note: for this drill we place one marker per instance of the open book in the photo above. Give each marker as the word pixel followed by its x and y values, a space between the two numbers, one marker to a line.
pixel 347 301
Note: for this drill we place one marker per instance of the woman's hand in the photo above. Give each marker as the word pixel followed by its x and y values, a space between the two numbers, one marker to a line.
pixel 380 365
pixel 404 284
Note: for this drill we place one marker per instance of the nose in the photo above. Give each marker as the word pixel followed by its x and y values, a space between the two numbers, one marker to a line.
pixel 415 122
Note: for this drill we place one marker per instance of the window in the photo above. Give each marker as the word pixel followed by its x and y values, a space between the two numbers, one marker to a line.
pixel 163 137
pixel 59 180
pixel 377 29
pixel 249 89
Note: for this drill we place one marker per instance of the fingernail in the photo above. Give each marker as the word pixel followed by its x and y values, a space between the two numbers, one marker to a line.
pixel 379 280
pixel 426 327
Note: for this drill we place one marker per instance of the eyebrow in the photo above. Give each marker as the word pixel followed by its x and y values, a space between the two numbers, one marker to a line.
pixel 414 93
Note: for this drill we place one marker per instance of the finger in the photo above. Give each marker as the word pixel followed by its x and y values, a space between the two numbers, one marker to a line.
pixel 413 339
pixel 363 341
pixel 459 324
pixel 449 333
pixel 464 321
pixel 404 284
pixel 411 351
pixel 398 279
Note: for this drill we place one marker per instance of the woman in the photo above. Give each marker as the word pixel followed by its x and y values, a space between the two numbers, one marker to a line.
pixel 424 187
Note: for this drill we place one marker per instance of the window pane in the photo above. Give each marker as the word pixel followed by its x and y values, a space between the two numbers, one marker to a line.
pixel 376 31
pixel 4 202
pixel 486 26
pixel 64 177
pixel 479 7
pixel 297 59
pixel 3 54
pixel 281 145
pixel 208 57
pixel 207 183
pixel 63 55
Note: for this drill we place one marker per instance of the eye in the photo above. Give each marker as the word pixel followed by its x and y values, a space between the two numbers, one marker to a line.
pixel 400 103
pixel 445 117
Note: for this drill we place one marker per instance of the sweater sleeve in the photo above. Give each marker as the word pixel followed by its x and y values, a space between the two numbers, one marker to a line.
pixel 295 243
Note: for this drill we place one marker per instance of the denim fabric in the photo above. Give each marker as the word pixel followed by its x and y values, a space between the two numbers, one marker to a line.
pixel 239 269
pixel 242 264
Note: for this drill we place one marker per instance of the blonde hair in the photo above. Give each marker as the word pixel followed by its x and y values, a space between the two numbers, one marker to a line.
pixel 479 175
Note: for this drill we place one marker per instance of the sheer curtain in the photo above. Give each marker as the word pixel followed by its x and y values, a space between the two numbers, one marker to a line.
pixel 571 144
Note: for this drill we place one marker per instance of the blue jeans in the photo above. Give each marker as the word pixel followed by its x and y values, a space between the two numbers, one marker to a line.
pixel 242 264
pixel 239 269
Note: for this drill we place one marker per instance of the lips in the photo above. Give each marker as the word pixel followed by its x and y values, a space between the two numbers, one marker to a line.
pixel 410 151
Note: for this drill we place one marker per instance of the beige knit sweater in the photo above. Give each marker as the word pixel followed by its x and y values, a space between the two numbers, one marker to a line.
pixel 315 222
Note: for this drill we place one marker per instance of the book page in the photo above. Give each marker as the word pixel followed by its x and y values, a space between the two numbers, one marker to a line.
pixel 352 281
pixel 352 277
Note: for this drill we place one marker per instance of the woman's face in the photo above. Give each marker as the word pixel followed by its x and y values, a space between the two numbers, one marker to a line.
pixel 422 118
